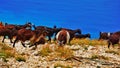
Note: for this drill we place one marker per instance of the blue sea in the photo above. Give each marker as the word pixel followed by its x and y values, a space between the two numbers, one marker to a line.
pixel 91 16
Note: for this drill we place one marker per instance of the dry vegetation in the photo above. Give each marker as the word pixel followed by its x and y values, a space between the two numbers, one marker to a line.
pixel 95 56
pixel 81 53
pixel 8 52
pixel 88 42
pixel 113 52
pixel 56 52
pixel 58 64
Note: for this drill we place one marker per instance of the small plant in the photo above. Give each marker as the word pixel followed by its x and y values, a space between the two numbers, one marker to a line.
pixel 103 57
pixel 20 58
pixel 99 57
pixel 61 66
pixel 58 65
pixel 3 56
pixel 85 48
pixel 94 56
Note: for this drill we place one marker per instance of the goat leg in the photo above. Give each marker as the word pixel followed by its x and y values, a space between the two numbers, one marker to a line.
pixel 14 42
pixel 23 44
pixel 10 39
pixel 3 39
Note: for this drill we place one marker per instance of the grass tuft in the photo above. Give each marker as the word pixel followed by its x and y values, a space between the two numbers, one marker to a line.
pixel 6 51
pixel 20 58
pixel 46 50
pixel 61 66
pixel 99 57
pixel 64 52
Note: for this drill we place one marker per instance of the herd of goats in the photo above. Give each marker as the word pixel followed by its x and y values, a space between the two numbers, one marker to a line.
pixel 37 35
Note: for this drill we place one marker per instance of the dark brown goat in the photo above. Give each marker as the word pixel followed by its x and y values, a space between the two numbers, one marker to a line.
pixel 73 32
pixel 104 35
pixel 34 36
pixel 10 30
pixel 114 39
pixel 82 36
pixel 6 32
pixel 50 31
pixel 12 26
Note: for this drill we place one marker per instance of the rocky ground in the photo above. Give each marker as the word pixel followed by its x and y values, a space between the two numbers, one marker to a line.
pixel 86 56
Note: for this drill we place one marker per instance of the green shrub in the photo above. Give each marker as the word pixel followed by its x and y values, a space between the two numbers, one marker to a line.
pixel 3 55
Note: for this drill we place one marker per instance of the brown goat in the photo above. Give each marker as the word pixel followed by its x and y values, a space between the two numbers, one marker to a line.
pixel 63 37
pixel 50 31
pixel 114 39
pixel 104 35
pixel 10 30
pixel 35 37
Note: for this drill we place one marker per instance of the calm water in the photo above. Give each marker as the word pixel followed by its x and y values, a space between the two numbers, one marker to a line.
pixel 91 16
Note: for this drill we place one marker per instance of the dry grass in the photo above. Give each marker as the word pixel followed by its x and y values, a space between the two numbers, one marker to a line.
pixel 64 52
pixel 46 50
pixel 20 58
pixel 88 42
pixel 6 51
pixel 112 51
pixel 80 41
pixel 55 51
pixel 95 56
pixel 62 65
